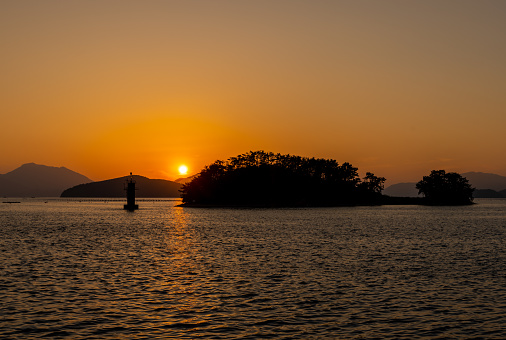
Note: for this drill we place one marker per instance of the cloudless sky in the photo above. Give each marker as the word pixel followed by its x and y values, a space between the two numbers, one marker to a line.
pixel 394 87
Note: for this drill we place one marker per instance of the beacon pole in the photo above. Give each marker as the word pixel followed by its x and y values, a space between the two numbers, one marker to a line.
pixel 130 193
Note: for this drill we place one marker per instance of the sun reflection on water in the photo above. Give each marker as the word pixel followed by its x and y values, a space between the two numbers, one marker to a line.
pixel 90 270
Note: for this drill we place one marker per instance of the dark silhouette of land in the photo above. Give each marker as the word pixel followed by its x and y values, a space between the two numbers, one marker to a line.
pixel 273 180
pixel 265 179
pixel 487 186
pixel 445 188
pixel 184 180
pixel 155 188
pixel 253 179
pixel 489 193
pixel 483 180
pixel 35 180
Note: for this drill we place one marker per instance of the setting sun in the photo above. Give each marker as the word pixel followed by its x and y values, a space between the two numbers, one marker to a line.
pixel 183 170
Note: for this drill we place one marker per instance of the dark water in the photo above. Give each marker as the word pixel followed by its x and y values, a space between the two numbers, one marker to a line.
pixel 89 270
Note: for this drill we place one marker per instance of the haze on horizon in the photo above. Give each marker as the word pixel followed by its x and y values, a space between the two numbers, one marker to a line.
pixel 394 87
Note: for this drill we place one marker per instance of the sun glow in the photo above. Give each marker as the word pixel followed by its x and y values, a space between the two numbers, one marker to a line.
pixel 183 170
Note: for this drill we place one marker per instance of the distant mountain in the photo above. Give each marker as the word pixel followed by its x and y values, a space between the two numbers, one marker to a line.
pixel 115 188
pixel 483 180
pixel 185 180
pixel 488 193
pixel 487 185
pixel 402 190
pixel 39 181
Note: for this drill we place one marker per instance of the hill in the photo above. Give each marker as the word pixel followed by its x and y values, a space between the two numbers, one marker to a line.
pixel 483 180
pixel 35 180
pixel 487 185
pixel 184 180
pixel 146 187
pixel 488 193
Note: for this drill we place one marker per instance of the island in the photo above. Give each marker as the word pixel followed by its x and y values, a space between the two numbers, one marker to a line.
pixel 265 179
pixel 146 187
pixel 445 188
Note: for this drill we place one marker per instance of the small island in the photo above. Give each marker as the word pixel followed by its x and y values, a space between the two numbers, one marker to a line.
pixel 265 179
pixel 445 188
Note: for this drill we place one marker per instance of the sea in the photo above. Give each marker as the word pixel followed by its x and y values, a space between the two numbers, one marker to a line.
pixel 87 269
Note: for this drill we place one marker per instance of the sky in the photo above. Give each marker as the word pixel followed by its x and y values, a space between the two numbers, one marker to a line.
pixel 110 87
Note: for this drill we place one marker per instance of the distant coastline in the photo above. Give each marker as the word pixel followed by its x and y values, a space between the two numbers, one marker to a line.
pixel 34 180
pixel 385 200
pixel 149 188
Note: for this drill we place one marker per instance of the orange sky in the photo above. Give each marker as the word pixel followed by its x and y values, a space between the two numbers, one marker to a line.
pixel 394 87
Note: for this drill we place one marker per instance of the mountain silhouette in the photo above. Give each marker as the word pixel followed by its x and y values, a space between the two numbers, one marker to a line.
pixel 35 180
pixel 155 188
pixel 483 180
pixel 184 180
pixel 488 193
pixel 488 186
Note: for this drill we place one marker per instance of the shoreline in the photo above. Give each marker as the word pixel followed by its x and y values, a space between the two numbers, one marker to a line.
pixel 385 200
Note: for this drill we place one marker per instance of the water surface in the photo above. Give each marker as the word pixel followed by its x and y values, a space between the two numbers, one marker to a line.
pixel 88 269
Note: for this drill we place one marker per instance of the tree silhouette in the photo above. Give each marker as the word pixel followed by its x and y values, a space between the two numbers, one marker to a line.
pixel 266 179
pixel 442 188
pixel 372 186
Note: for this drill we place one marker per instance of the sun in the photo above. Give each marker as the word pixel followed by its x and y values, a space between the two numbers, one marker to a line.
pixel 183 170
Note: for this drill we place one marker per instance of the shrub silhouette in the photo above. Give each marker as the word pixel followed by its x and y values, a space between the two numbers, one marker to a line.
pixel 445 188
pixel 266 179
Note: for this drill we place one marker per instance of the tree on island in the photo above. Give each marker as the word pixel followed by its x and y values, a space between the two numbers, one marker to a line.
pixel 266 179
pixel 445 188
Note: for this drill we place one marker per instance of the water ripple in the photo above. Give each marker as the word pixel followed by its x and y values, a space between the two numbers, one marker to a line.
pixel 89 270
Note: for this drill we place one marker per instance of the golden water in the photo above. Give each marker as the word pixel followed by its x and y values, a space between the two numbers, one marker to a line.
pixel 88 269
